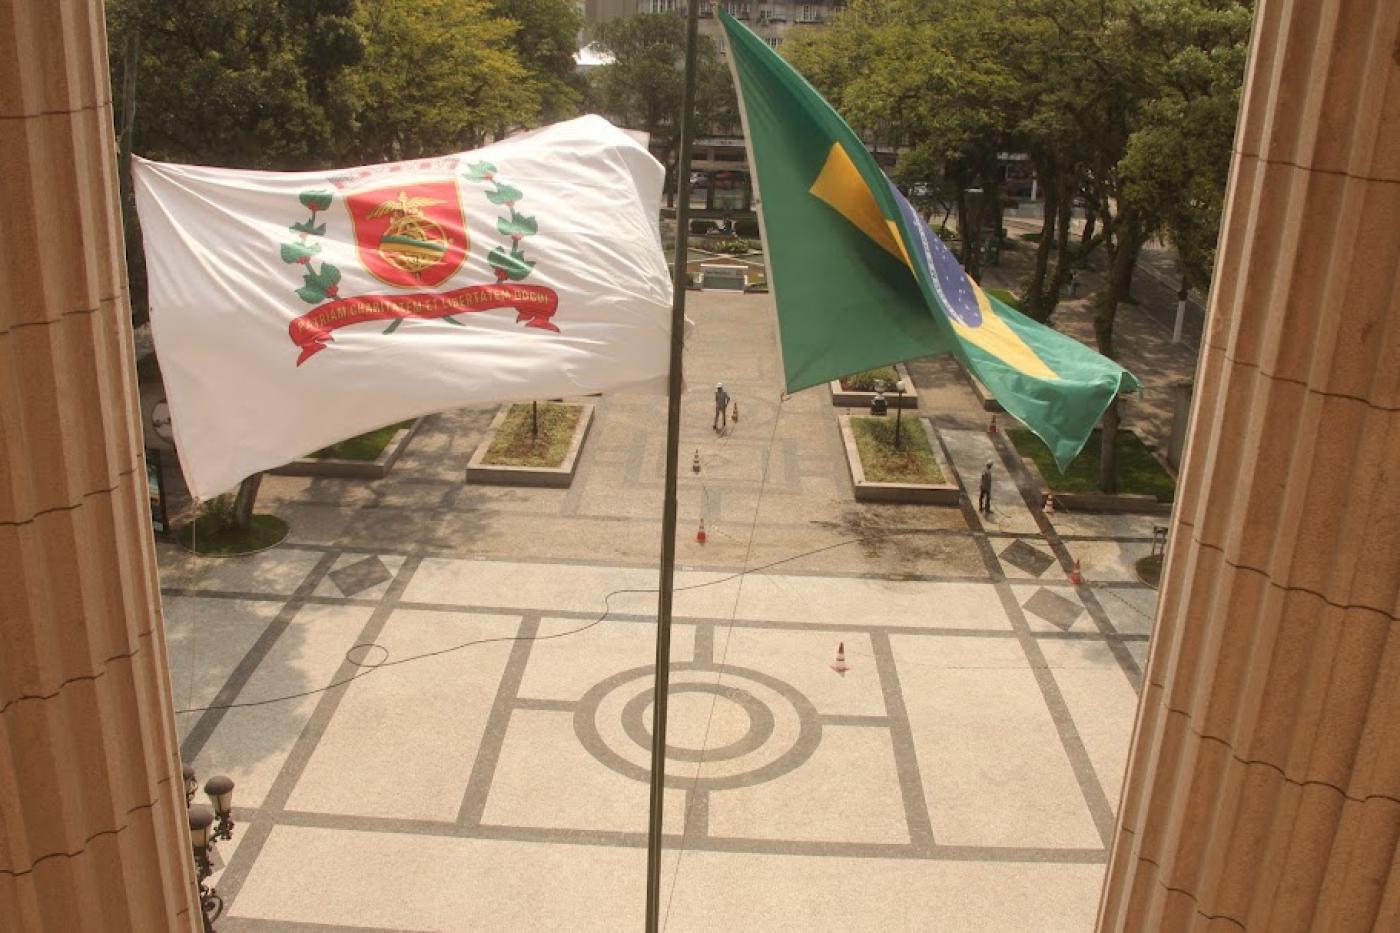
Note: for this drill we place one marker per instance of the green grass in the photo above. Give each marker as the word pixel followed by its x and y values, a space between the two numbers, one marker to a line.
pixel 1032 237
pixel 201 537
pixel 866 381
pixel 912 463
pixel 1005 296
pixel 1139 473
pixel 515 445
pixel 366 447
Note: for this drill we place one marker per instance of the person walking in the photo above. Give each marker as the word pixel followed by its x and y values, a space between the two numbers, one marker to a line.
pixel 721 407
pixel 984 494
pixel 1074 284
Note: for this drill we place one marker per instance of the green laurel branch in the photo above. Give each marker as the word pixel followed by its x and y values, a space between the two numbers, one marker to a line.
pixel 508 260
pixel 322 282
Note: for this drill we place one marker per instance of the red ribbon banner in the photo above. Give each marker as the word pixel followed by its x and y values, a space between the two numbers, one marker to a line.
pixel 534 304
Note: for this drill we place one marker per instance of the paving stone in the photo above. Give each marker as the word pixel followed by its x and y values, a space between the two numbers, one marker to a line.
pixel 1026 558
pixel 361 575
pixel 1053 608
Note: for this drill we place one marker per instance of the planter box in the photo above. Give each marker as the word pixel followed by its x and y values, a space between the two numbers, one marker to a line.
pixel 1097 501
pixel 946 493
pixel 849 398
pixel 732 277
pixel 378 468
pixel 984 395
pixel 504 475
pixel 1102 502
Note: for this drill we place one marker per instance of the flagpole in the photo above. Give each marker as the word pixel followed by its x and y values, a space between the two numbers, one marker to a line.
pixel 668 515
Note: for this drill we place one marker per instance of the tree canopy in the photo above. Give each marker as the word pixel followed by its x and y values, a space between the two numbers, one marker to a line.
pixel 642 87
pixel 1177 158
pixel 437 76
pixel 547 41
pixel 299 84
pixel 237 82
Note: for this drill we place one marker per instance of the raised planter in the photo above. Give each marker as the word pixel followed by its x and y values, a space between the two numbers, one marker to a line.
pixel 946 493
pixel 850 398
pixel 378 468
pixel 721 275
pixel 503 475
pixel 1097 501
pixel 985 398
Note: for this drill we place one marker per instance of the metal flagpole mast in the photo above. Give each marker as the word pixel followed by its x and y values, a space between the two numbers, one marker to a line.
pixel 668 516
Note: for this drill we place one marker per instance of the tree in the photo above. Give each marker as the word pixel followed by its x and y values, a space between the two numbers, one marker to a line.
pixel 241 82
pixel 303 84
pixel 546 40
pixel 1154 62
pixel 642 87
pixel 1047 79
pixel 1178 159
pixel 931 77
pixel 437 76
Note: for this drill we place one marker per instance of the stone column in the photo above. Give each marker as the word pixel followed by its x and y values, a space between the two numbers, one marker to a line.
pixel 93 832
pixel 1263 785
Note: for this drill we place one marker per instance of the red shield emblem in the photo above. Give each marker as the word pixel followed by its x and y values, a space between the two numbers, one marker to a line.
pixel 412 234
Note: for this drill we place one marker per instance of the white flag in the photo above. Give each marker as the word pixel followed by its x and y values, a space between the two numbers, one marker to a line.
pixel 291 310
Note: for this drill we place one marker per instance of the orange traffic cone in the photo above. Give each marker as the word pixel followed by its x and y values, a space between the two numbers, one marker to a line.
pixel 992 428
pixel 700 535
pixel 839 665
pixel 1076 577
pixel 695 464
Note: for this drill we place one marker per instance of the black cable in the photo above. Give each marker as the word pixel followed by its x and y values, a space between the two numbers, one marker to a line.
pixel 607 610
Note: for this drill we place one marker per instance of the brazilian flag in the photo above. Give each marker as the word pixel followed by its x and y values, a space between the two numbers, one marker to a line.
pixel 860 280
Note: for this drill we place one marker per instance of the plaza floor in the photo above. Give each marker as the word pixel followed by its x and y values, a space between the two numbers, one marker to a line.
pixel 481 763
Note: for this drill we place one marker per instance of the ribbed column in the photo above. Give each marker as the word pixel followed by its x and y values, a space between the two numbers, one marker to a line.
pixel 92 814
pixel 1263 786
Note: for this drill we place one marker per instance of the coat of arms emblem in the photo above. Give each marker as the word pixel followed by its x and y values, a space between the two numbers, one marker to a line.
pixel 410 236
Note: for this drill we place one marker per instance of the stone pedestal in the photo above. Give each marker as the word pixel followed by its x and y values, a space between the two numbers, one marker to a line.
pixel 1263 786
pixel 92 813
